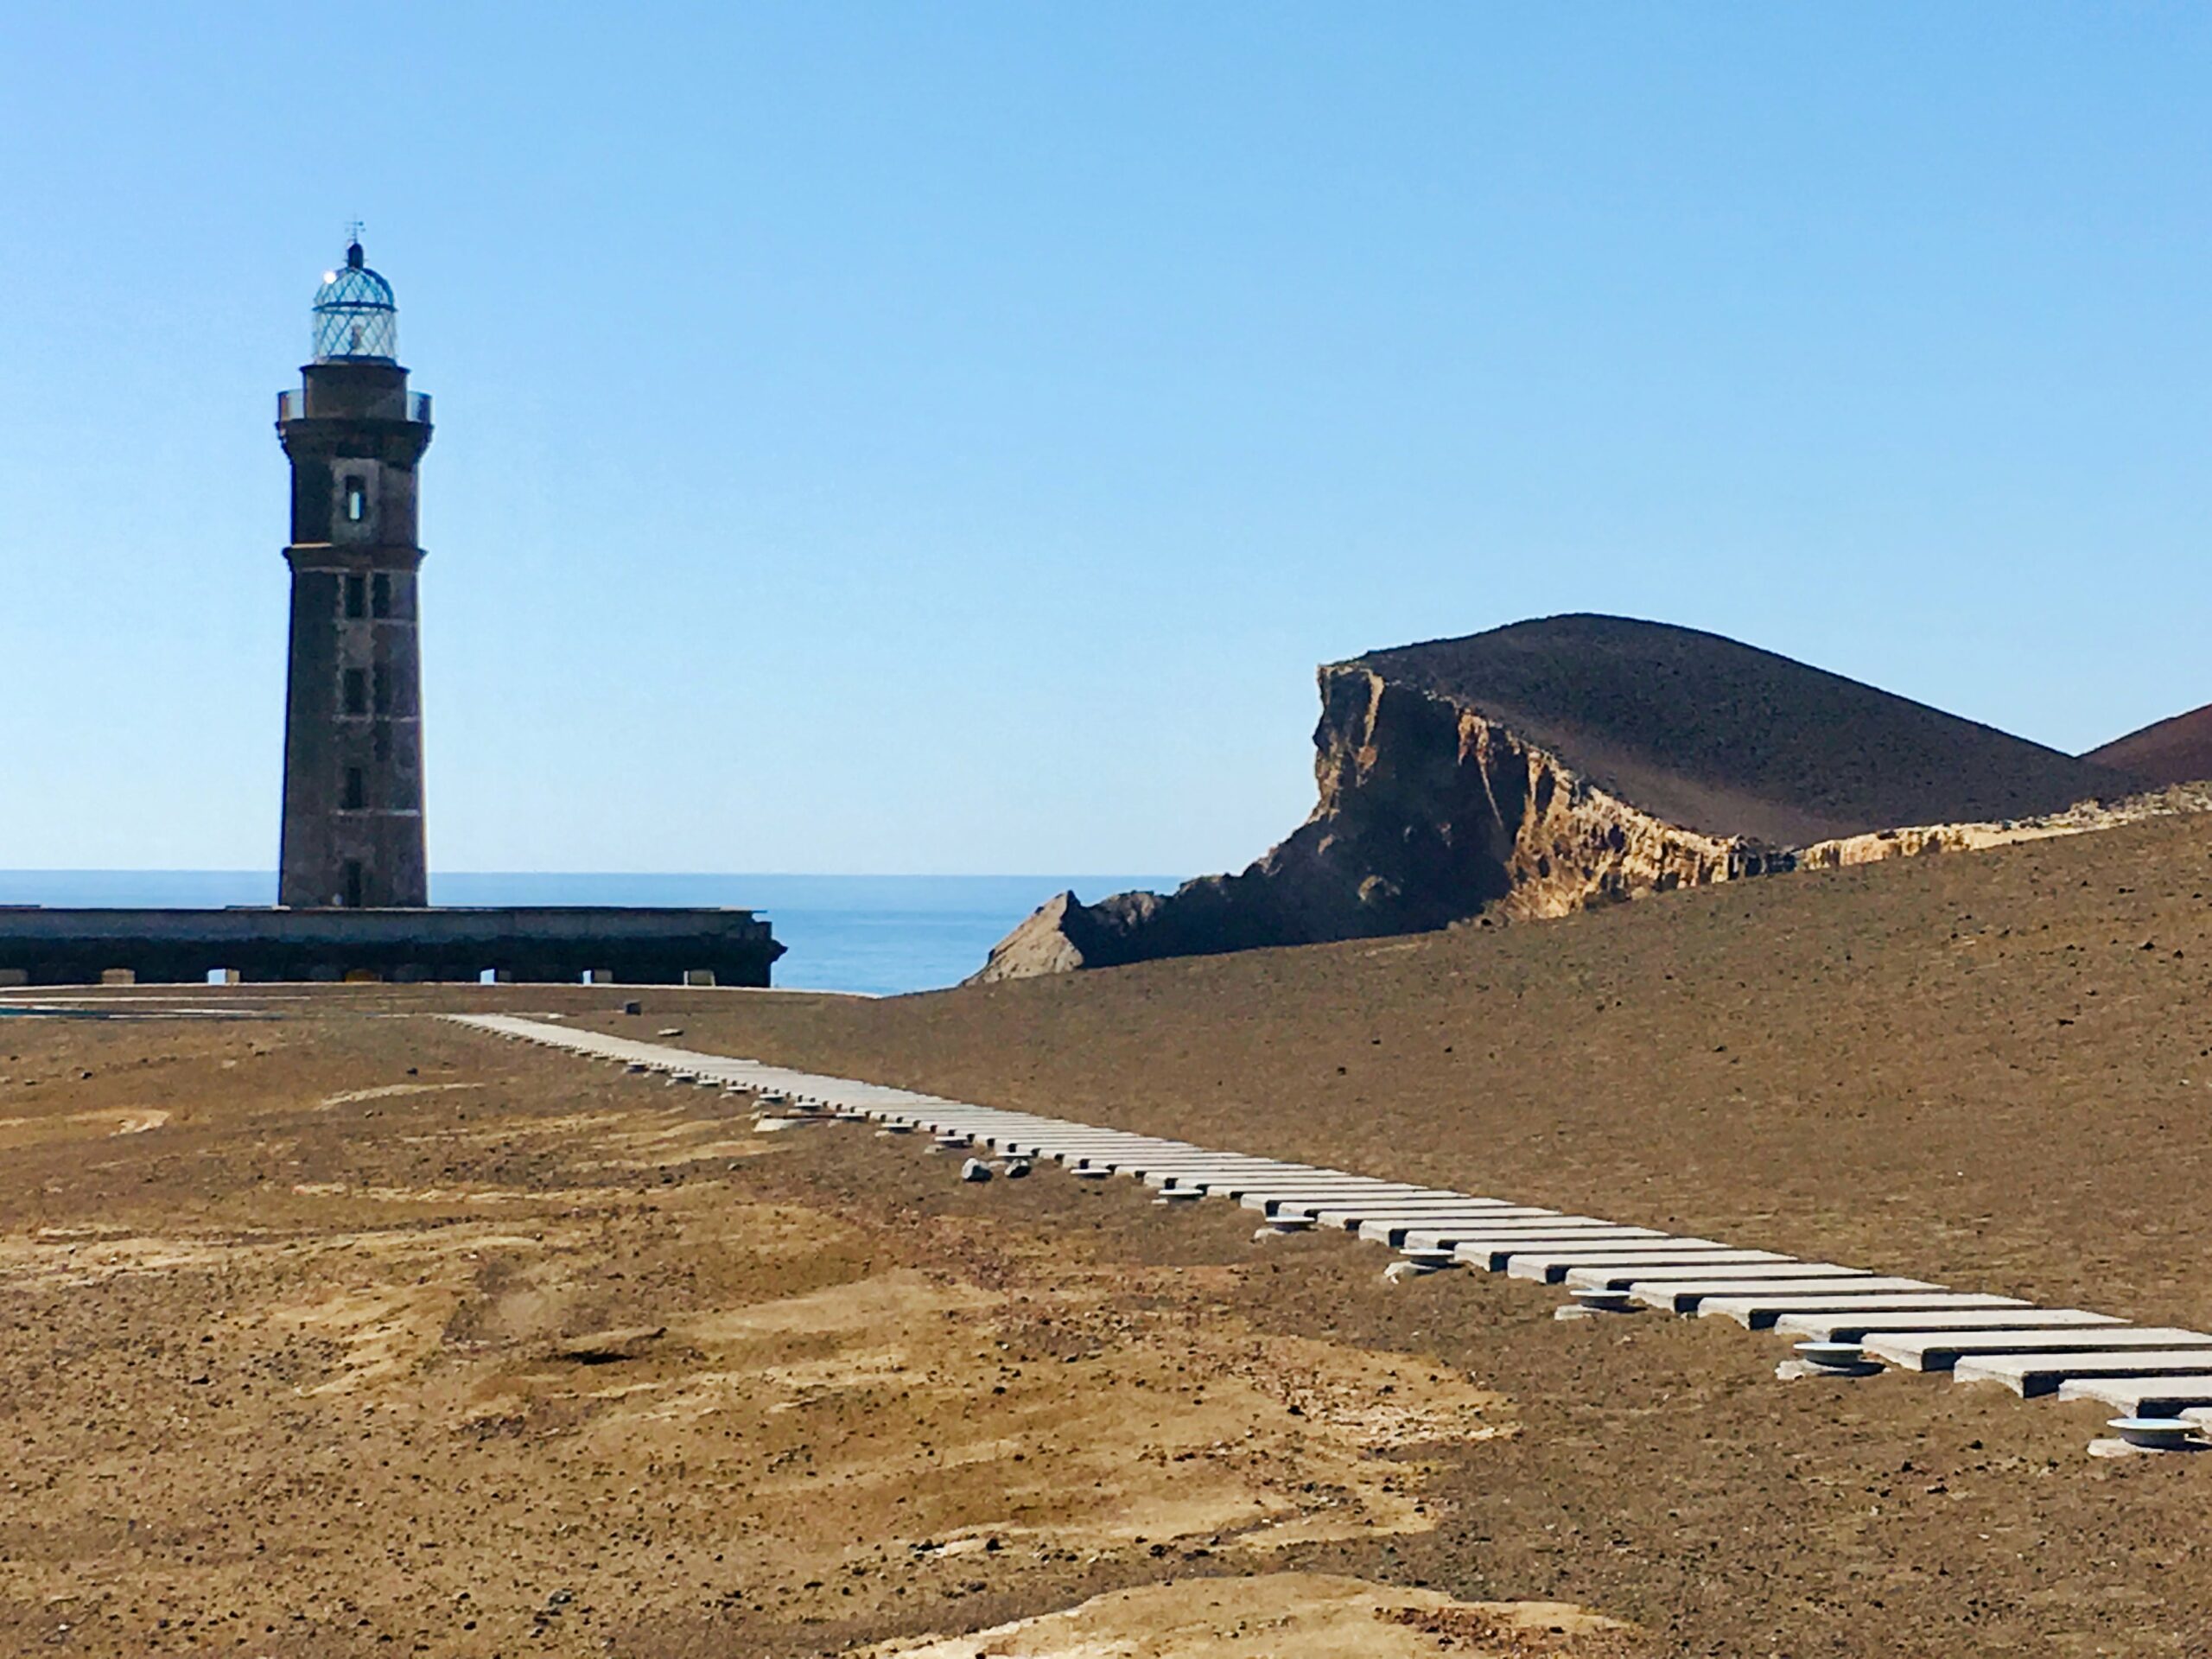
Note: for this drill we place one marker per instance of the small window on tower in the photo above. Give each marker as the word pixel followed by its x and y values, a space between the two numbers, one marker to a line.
pixel 383 694
pixel 357 691
pixel 380 594
pixel 356 599
pixel 357 501
pixel 357 790
pixel 352 897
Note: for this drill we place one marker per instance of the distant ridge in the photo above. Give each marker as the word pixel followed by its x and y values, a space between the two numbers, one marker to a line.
pixel 1714 735
pixel 2176 751
pixel 1541 768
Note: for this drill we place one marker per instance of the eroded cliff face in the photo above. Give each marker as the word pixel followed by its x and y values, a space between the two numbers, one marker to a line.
pixel 1428 813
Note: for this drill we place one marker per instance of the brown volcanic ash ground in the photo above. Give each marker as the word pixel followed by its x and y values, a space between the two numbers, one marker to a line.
pixel 2176 751
pixel 340 1334
pixel 287 1362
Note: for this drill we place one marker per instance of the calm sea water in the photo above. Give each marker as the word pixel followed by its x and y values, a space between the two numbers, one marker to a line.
pixel 880 934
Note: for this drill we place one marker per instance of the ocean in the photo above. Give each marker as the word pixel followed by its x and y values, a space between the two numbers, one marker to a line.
pixel 881 935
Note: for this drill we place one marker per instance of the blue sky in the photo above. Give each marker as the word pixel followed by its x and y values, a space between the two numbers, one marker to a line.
pixel 928 438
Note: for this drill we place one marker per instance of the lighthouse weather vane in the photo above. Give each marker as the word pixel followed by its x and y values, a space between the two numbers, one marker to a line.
pixel 353 229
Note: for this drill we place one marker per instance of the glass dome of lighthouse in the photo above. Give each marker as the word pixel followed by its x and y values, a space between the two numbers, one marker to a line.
pixel 354 316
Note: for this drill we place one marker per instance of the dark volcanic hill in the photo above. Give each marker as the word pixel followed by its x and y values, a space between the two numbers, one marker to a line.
pixel 1542 767
pixel 1725 738
pixel 2176 751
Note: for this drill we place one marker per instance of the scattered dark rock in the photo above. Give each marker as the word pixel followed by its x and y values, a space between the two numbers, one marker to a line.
pixel 608 1347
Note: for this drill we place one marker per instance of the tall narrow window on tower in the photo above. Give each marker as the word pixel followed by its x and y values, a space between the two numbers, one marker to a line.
pixel 357 691
pixel 357 501
pixel 357 791
pixel 356 599
pixel 380 595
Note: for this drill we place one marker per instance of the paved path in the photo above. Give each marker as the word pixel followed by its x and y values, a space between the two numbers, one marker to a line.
pixel 1905 1323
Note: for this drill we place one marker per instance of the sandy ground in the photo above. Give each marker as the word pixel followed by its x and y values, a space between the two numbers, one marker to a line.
pixel 336 1333
pixel 313 1351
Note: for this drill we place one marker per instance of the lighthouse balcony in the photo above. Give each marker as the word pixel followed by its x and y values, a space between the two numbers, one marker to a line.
pixel 305 402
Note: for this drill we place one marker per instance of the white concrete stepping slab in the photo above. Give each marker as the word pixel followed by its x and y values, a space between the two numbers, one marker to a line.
pixel 1568 1229
pixel 1131 1148
pixel 1323 1187
pixel 1550 1266
pixel 1271 1198
pixel 1351 1214
pixel 1420 1197
pixel 1219 1180
pixel 1250 1168
pixel 1123 1163
pixel 2147 1396
pixel 1683 1295
pixel 1821 1317
pixel 1142 1169
pixel 1446 1207
pixel 1073 1131
pixel 1412 1204
pixel 1495 1251
pixel 1434 1200
pixel 1634 1241
pixel 2034 1375
pixel 1393 1230
pixel 1748 1280
pixel 1222 1186
pixel 1942 1351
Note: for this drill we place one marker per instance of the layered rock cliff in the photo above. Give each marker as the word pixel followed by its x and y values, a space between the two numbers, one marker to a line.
pixel 1546 767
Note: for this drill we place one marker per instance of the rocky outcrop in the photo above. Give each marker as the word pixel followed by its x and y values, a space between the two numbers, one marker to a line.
pixel 1915 840
pixel 1429 813
pixel 1065 934
pixel 1553 766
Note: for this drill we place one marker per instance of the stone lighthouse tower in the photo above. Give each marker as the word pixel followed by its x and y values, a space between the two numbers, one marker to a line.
pixel 353 832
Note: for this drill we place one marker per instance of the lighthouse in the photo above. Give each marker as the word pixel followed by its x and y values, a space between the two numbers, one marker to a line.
pixel 355 435
pixel 353 889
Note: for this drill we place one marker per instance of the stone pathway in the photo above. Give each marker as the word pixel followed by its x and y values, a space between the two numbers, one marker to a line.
pixel 1906 1323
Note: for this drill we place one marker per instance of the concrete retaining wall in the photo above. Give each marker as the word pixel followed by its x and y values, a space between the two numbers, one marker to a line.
pixel 547 944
